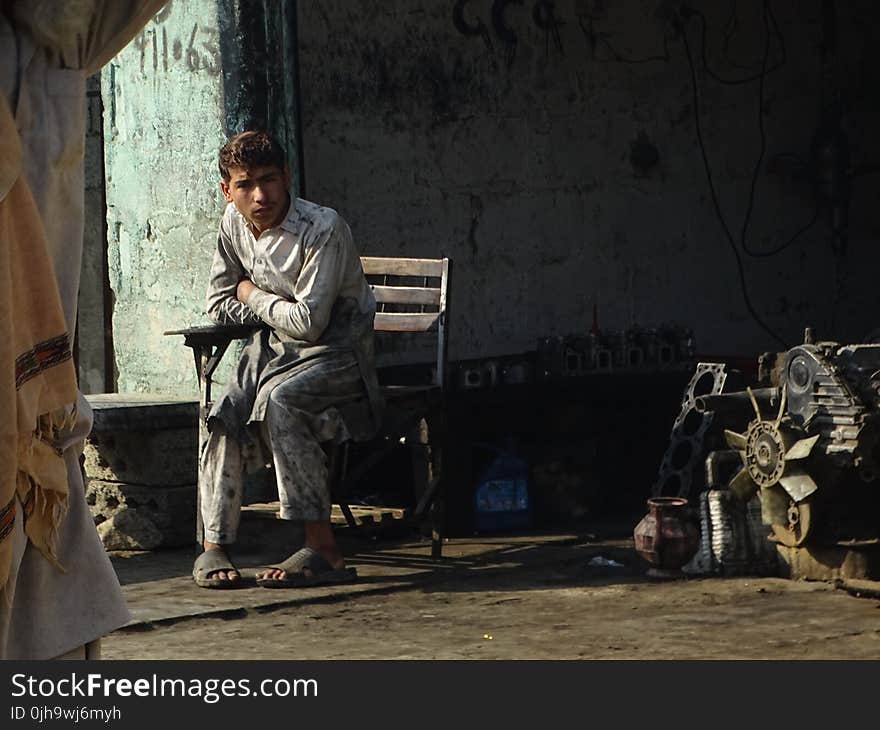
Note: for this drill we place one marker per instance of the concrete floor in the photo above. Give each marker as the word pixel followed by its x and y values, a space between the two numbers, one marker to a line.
pixel 524 597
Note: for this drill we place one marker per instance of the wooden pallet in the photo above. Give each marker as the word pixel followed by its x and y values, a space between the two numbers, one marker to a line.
pixel 367 516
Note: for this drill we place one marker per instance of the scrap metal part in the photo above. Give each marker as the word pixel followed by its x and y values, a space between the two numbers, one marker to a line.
pixel 684 454
pixel 769 450
pixel 833 393
pixel 799 457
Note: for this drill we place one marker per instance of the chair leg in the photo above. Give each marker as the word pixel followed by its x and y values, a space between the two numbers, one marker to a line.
pixel 418 439
pixel 426 440
pixel 425 460
pixel 337 466
pixel 202 442
pixel 436 427
pixel 349 516
pixel 437 510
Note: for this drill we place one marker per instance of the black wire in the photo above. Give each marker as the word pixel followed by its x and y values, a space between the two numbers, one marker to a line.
pixel 714 195
pixel 744 79
pixel 763 147
pixel 769 19
pixel 730 27
pixel 790 241
pixel 756 172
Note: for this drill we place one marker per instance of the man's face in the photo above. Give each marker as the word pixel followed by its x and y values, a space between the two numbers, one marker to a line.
pixel 259 194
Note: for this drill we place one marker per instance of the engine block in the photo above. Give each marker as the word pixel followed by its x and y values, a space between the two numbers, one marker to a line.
pixel 833 391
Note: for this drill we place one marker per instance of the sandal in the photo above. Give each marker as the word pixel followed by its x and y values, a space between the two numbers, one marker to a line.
pixel 321 572
pixel 212 561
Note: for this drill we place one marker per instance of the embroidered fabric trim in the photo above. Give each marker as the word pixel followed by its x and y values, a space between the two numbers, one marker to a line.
pixel 41 357
pixel 7 519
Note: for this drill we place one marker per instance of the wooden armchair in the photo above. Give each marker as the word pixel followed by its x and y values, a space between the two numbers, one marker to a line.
pixel 412 299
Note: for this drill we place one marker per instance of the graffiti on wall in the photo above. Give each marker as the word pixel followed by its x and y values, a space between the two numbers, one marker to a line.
pixel 162 49
pixel 466 18
pixel 502 21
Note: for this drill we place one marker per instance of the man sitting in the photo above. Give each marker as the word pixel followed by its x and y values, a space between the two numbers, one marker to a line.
pixel 307 378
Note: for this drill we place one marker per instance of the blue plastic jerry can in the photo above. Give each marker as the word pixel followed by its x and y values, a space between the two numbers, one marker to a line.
pixel 501 498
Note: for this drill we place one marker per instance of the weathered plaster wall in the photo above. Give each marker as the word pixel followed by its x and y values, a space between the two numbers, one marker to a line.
pixel 431 143
pixel 200 71
pixel 522 167
pixel 164 122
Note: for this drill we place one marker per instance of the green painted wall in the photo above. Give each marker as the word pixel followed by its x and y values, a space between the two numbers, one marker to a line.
pixel 164 122
pixel 201 70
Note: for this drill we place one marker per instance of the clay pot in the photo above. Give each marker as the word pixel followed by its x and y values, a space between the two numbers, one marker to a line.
pixel 666 537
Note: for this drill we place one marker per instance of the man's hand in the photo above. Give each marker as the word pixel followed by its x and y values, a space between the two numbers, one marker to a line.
pixel 245 287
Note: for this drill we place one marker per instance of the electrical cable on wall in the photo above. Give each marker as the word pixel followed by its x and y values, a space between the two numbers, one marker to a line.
pixel 768 17
pixel 711 183
pixel 788 242
pixel 730 29
pixel 763 137
pixel 775 50
pixel 772 32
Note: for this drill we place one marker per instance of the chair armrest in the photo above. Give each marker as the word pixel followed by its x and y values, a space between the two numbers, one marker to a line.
pixel 214 334
pixel 208 345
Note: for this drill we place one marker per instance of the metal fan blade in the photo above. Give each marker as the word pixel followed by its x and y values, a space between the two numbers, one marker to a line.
pixel 781 406
pixel 754 404
pixel 743 486
pixel 798 484
pixel 735 440
pixel 774 506
pixel 801 449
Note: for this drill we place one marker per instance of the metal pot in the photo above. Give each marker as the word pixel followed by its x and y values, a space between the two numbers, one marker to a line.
pixel 666 537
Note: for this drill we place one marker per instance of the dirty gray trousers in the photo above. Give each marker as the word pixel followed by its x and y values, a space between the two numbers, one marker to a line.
pixel 300 414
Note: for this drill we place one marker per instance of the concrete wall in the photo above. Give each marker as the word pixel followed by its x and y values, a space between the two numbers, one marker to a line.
pixel 529 169
pixel 164 122
pixel 200 71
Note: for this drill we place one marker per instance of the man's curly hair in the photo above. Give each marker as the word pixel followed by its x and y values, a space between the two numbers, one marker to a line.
pixel 251 149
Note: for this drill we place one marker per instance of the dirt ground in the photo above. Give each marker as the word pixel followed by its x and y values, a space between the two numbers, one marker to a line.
pixel 553 604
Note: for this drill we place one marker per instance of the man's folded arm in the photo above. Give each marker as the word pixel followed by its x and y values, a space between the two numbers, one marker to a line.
pixel 307 316
pixel 222 305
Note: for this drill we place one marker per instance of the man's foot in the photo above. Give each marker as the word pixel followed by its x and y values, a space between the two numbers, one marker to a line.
pixel 214 569
pixel 333 558
pixel 306 567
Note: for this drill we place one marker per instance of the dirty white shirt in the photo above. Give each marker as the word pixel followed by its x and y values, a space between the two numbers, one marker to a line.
pixel 301 267
pixel 319 307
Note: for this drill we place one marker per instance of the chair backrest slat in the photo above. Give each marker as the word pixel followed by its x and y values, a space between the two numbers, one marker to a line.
pixel 402 267
pixel 407 294
pixel 411 296
pixel 406 322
